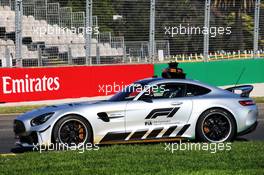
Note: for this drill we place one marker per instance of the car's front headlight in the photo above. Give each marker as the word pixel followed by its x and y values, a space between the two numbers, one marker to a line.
pixel 41 119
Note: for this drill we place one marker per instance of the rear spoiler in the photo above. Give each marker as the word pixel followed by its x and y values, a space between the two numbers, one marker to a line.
pixel 244 90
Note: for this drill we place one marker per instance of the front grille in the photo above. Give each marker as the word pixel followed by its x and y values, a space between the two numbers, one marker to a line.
pixel 19 127
pixel 31 139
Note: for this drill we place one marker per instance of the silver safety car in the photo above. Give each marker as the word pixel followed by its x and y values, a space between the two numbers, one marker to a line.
pixel 149 110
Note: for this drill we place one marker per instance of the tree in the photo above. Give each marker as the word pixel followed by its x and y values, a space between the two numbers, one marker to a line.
pixel 238 7
pixel 185 13
pixel 104 10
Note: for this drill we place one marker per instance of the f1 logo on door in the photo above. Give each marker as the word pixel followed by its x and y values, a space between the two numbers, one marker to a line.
pixel 170 112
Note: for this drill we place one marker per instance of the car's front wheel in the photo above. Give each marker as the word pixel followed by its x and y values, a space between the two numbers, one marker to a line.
pixel 215 125
pixel 72 131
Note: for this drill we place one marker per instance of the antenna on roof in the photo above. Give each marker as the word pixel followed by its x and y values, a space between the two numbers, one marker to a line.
pixel 240 76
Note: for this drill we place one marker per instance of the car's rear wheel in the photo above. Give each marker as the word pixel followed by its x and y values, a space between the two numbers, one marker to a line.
pixel 216 125
pixel 72 131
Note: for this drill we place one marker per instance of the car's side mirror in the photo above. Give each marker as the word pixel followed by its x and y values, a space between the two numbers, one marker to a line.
pixel 146 98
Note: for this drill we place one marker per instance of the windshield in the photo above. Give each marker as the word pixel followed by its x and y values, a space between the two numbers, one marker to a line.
pixel 128 93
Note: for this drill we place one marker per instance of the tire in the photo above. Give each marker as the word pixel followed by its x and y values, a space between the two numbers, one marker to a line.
pixel 216 126
pixel 67 127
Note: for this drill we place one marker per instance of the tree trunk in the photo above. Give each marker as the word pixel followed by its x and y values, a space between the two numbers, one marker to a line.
pixel 239 30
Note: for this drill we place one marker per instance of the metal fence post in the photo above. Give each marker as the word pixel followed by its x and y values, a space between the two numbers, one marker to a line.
pixel 124 50
pixel 39 57
pixel 7 61
pixel 207 26
pixel 18 26
pixel 98 59
pixel 46 10
pixel 256 27
pixel 124 53
pixel 88 31
pixel 152 31
pixel 69 55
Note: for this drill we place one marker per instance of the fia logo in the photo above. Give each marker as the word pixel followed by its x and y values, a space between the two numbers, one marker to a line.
pixel 148 123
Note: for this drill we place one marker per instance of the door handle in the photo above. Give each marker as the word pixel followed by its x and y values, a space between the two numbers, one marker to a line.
pixel 176 103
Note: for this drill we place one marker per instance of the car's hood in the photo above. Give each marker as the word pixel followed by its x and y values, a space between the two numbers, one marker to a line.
pixel 54 108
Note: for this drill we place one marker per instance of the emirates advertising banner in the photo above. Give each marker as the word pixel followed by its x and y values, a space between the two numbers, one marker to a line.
pixel 35 84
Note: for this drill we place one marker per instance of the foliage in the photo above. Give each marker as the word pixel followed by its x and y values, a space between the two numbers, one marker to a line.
pixel 134 25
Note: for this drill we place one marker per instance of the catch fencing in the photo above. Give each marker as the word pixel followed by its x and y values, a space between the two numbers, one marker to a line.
pixel 36 33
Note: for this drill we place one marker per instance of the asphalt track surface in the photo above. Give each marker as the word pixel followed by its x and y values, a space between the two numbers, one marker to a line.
pixel 7 137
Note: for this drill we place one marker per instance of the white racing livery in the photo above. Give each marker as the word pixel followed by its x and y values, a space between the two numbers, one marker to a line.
pixel 150 110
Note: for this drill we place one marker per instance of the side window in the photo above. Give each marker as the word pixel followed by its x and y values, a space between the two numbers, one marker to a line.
pixel 168 90
pixel 194 90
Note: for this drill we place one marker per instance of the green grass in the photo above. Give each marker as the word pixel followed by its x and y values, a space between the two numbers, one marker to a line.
pixel 18 109
pixel 23 109
pixel 244 158
pixel 259 99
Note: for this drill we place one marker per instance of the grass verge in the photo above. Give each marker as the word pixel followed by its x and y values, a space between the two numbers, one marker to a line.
pixel 18 109
pixel 259 99
pixel 243 158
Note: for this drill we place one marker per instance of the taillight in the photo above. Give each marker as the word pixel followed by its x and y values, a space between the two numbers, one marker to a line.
pixel 247 102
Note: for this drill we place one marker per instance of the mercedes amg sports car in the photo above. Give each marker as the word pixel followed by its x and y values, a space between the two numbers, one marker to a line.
pixel 149 110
